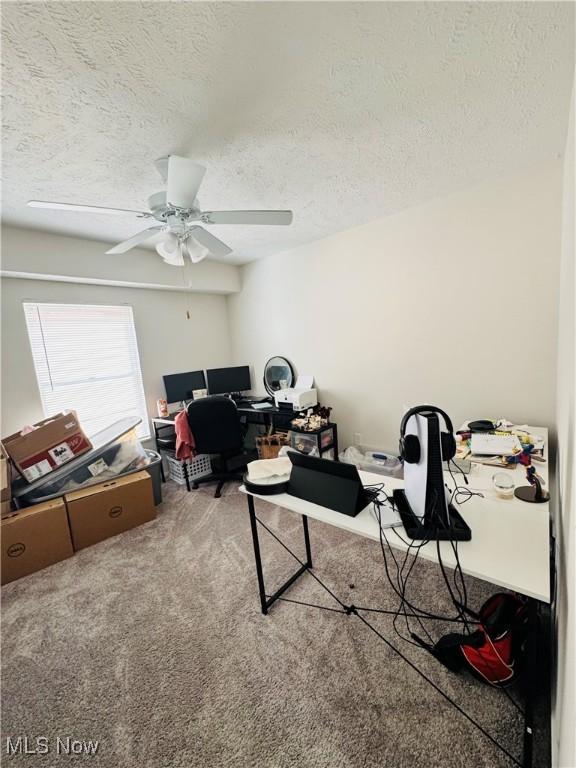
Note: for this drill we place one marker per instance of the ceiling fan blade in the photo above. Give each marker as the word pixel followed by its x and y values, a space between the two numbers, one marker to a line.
pixel 215 246
pixel 83 208
pixel 183 182
pixel 136 239
pixel 247 217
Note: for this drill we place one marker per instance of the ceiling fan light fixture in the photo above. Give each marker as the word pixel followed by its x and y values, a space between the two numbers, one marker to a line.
pixel 195 250
pixel 170 250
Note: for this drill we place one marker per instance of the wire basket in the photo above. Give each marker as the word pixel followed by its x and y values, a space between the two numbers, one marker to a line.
pixel 268 446
pixel 199 466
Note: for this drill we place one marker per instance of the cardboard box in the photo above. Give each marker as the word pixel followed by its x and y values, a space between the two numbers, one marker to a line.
pixel 34 538
pixel 57 440
pixel 104 510
pixel 5 485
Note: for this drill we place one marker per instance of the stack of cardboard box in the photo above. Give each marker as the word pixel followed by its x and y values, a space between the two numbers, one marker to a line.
pixel 46 533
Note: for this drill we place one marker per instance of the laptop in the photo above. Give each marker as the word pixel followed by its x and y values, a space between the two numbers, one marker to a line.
pixel 332 484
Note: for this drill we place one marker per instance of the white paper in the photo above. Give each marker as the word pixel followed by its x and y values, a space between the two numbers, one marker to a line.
pixel 494 445
pixel 61 453
pixel 97 467
pixel 304 381
pixel 37 470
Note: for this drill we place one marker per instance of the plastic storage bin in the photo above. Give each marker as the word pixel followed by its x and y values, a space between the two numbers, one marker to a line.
pixel 326 438
pixel 304 443
pixel 152 467
pixel 155 472
pixel 198 467
pixel 370 460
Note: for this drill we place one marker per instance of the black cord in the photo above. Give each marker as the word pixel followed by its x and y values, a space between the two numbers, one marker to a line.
pixel 401 585
pixel 460 604
pixel 402 582
pixel 353 610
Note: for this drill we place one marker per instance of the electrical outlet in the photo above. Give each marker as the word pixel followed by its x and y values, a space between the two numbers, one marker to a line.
pixel 357 438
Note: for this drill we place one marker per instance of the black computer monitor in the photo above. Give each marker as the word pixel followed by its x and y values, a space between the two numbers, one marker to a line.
pixel 179 386
pixel 228 380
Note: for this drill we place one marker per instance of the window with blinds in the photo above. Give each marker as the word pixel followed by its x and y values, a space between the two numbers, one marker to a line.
pixel 86 359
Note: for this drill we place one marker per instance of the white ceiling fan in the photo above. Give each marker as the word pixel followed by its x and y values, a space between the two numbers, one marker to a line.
pixel 178 212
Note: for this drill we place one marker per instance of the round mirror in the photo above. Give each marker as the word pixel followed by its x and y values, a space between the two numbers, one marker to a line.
pixel 278 374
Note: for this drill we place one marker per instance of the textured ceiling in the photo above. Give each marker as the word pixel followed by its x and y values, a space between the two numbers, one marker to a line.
pixel 343 112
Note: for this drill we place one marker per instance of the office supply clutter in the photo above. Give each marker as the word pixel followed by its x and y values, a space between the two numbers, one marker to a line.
pixel 505 444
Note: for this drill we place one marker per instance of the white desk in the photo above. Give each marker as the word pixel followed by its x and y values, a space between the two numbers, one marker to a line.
pixel 510 543
pixel 510 547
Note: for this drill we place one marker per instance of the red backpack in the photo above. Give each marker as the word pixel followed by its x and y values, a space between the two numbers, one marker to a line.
pixel 491 653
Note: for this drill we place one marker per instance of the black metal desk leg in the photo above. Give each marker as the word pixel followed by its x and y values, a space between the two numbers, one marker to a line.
pixel 257 558
pixel 530 672
pixel 265 601
pixel 307 542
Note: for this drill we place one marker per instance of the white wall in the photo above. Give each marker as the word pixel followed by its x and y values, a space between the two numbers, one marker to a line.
pixel 452 302
pixel 564 721
pixel 167 341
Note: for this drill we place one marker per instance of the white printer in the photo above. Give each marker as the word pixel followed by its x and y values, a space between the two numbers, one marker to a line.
pixel 299 397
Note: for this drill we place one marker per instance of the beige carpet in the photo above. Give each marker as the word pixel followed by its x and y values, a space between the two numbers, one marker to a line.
pixel 153 644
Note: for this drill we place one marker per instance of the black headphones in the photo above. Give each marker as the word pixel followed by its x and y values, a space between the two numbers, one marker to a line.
pixel 410 444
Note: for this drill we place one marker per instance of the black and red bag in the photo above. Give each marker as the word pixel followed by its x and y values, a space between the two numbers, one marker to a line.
pixel 492 653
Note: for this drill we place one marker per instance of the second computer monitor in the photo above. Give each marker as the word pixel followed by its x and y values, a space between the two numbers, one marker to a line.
pixel 223 381
pixel 179 386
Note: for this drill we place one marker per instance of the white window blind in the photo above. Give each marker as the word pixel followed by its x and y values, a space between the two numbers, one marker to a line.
pixel 86 359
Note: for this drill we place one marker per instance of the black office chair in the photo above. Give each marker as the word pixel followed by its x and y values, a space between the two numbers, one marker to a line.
pixel 215 423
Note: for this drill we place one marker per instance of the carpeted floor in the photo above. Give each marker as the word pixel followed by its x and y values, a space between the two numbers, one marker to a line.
pixel 153 644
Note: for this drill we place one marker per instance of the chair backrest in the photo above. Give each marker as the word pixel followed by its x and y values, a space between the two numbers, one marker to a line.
pixel 215 423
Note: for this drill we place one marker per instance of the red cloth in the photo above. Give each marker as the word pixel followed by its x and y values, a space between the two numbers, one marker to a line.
pixel 185 443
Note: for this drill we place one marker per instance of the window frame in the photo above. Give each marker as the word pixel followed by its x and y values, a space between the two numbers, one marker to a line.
pixel 144 426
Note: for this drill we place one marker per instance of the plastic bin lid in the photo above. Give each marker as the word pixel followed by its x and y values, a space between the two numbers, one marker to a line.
pixel 100 441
